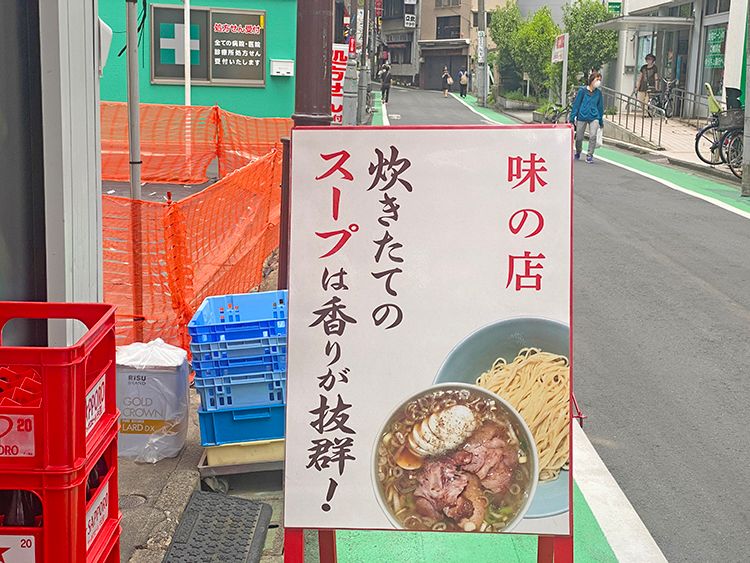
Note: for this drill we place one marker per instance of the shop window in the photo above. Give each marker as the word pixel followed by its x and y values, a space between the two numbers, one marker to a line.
pixel 713 56
pixel 449 27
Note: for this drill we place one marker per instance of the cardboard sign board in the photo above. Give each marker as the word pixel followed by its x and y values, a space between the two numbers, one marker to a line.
pixel 429 344
pixel 559 49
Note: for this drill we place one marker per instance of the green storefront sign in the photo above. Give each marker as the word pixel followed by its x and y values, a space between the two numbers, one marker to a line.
pixel 614 8
pixel 715 48
pixel 232 45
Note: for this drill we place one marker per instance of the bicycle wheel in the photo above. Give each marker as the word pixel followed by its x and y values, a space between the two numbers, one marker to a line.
pixel 734 150
pixel 707 145
pixel 724 144
pixel 550 115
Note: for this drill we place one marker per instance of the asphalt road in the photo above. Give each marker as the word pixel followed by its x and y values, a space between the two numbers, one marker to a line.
pixel 662 347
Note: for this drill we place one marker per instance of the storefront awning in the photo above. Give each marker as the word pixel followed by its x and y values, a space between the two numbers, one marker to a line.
pixel 646 24
pixel 428 44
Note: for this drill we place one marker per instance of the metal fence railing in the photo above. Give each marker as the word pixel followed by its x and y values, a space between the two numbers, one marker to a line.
pixel 690 108
pixel 630 113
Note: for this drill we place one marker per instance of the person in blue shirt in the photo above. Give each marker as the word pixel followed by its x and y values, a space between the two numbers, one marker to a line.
pixel 588 113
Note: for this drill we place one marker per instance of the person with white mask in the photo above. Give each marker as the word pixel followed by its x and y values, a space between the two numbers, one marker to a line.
pixel 588 114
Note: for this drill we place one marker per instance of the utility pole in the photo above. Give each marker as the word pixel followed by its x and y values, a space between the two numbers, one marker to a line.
pixel 187 51
pixel 363 78
pixel 312 98
pixel 134 146
pixel 746 97
pixel 482 55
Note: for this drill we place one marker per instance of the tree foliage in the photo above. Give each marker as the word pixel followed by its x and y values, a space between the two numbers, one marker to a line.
pixel 503 26
pixel 532 47
pixel 589 47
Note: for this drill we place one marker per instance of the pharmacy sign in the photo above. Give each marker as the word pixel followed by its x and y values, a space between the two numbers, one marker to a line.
pixel 227 47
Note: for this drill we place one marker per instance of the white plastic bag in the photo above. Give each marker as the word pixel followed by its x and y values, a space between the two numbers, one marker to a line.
pixel 599 137
pixel 152 395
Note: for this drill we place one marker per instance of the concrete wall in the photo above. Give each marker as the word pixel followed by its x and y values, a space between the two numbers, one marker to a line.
pixel 275 99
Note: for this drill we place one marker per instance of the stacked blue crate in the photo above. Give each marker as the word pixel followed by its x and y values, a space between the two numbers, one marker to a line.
pixel 238 343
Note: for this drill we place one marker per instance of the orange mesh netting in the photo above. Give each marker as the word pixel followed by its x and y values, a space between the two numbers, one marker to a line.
pixel 178 143
pixel 243 138
pixel 212 243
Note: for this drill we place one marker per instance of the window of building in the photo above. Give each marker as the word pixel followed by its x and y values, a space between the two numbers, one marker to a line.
pixel 449 27
pixel 393 8
pixel 447 3
pixel 717 6
pixel 682 11
pixel 401 54
pixel 475 18
pixel 713 56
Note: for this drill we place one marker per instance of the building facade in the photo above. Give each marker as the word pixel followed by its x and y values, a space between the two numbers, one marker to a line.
pixel 695 42
pixel 249 69
pixel 399 30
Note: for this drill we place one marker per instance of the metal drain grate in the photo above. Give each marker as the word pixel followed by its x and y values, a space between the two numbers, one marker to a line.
pixel 219 529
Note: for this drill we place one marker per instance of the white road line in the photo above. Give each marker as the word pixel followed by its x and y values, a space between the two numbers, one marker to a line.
pixel 628 537
pixel 384 111
pixel 673 186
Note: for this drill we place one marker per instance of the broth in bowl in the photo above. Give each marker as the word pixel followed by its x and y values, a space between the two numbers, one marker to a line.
pixel 455 458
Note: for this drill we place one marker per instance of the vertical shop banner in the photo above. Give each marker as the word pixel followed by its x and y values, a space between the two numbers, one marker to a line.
pixel 429 343
pixel 339 58
pixel 238 40
pixel 558 49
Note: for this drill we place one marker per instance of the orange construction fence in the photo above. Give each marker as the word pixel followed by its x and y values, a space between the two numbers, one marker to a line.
pixel 212 243
pixel 178 144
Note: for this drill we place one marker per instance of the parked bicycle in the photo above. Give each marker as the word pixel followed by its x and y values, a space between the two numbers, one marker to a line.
pixel 663 100
pixel 557 113
pixel 721 140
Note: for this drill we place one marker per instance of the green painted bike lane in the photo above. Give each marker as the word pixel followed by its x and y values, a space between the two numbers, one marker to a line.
pixel 700 185
pixel 589 544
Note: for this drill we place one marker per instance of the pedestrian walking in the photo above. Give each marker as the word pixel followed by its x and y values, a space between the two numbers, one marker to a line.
pixel 463 81
pixel 447 81
pixel 648 79
pixel 385 83
pixel 588 113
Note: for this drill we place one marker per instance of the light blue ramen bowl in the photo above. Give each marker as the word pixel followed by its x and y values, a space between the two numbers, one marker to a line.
pixel 503 339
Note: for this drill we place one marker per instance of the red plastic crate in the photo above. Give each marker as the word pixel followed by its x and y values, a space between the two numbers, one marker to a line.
pixel 73 530
pixel 56 404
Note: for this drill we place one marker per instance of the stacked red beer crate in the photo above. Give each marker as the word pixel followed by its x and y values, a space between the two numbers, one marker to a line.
pixel 58 441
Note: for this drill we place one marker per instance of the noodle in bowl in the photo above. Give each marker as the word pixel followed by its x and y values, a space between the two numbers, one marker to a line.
pixel 455 457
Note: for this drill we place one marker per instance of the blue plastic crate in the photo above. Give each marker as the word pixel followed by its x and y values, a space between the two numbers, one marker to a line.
pixel 278 363
pixel 242 425
pixel 240 317
pixel 228 349
pixel 221 393
pixel 267 362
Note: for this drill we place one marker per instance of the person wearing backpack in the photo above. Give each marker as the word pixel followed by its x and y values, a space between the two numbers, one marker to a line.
pixel 588 113
pixel 463 81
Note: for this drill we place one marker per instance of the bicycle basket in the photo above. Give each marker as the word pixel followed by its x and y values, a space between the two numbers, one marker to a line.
pixel 731 119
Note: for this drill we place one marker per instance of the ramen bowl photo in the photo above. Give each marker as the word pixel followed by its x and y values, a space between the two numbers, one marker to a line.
pixel 525 362
pixel 457 458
